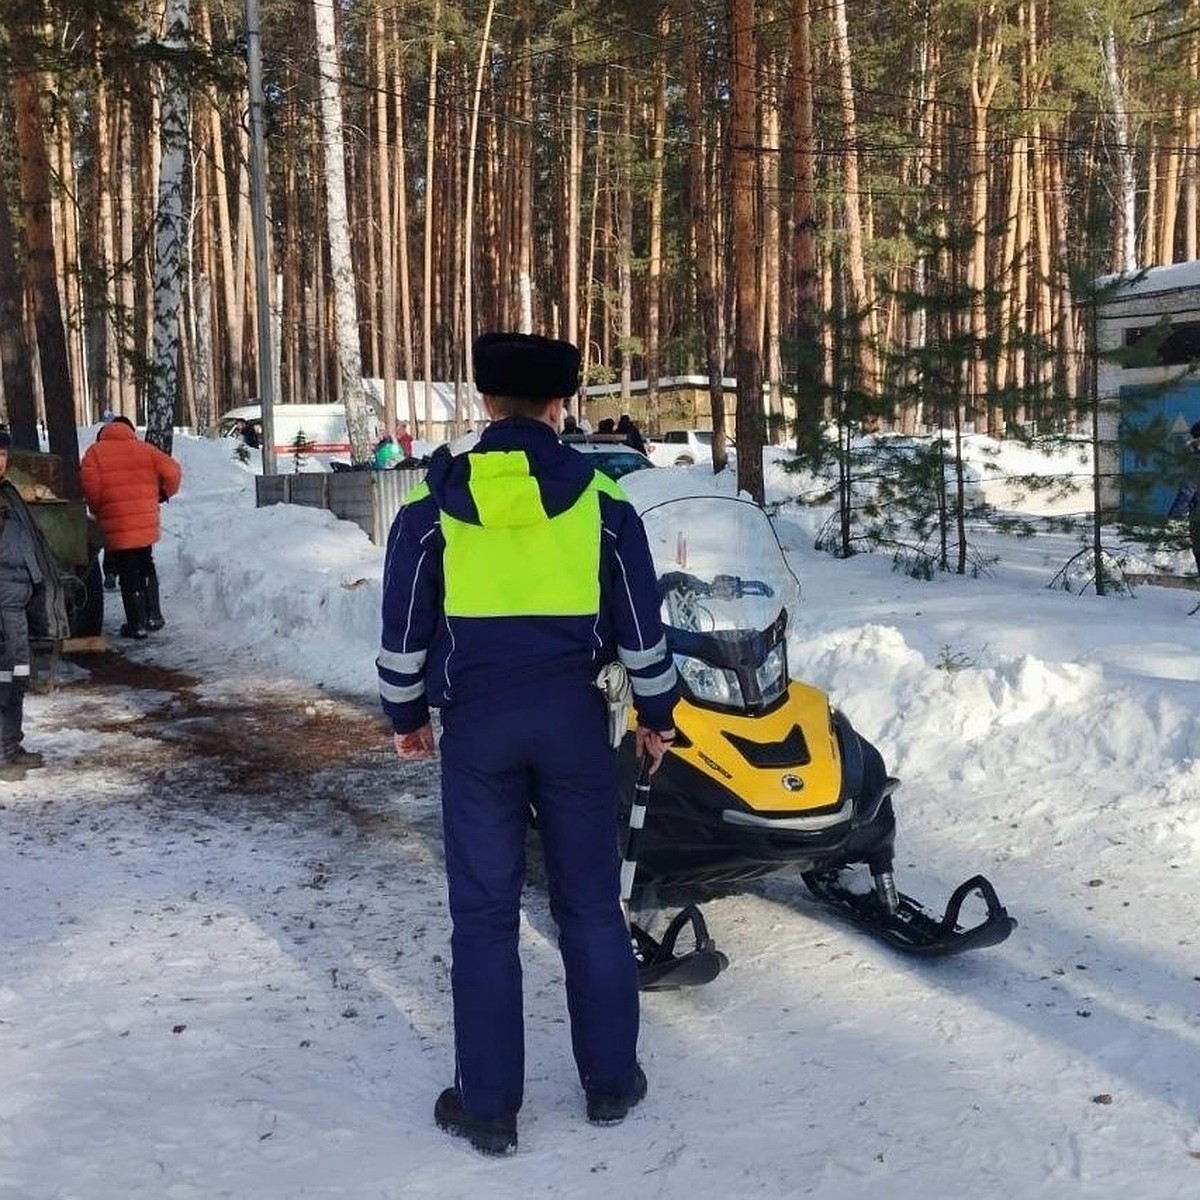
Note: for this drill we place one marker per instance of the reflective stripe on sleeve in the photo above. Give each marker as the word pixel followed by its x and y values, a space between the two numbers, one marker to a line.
pixel 400 662
pixel 401 695
pixel 656 684
pixel 639 660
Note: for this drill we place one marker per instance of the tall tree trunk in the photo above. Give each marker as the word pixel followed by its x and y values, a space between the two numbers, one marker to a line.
pixel 1191 169
pixel 427 316
pixel 125 402
pixel 400 231
pixel 985 77
pixel 104 124
pixel 383 222
pixel 1123 152
pixel 806 290
pixel 16 373
pixel 40 276
pixel 170 233
pixel 771 236
pixel 623 241
pixel 858 294
pixel 654 266
pixel 748 336
pixel 468 221
pixel 574 214
pixel 341 263
pixel 67 221
pixel 1172 171
pixel 524 135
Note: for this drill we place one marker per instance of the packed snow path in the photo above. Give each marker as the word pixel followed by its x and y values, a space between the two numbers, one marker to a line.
pixel 225 946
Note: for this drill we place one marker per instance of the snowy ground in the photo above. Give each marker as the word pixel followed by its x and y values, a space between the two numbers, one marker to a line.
pixel 225 967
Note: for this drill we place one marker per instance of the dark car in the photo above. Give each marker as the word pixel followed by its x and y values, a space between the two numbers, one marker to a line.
pixel 608 453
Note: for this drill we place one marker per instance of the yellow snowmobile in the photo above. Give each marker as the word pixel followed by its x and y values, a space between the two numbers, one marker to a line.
pixel 764 773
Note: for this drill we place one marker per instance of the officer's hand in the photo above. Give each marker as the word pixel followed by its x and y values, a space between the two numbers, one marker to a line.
pixel 654 742
pixel 417 744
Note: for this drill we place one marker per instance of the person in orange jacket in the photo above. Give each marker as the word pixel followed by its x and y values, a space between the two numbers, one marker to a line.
pixel 124 480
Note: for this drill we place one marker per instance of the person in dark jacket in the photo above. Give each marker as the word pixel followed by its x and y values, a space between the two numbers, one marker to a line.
pixel 514 575
pixel 632 435
pixel 32 604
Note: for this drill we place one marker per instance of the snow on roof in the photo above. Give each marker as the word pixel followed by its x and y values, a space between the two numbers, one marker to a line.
pixel 441 399
pixel 1153 281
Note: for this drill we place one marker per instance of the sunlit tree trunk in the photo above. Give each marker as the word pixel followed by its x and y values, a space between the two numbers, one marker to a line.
pixel 67 223
pixel 468 219
pixel 770 264
pixel 341 264
pixel 747 334
pixel 1191 168
pixel 1123 152
pixel 984 79
pixel 170 232
pixel 574 182
pixel 400 234
pixel 383 222
pixel 857 290
pixel 1171 174
pixel 806 291
pixel 623 238
pixel 16 373
pixel 654 267
pixel 427 316
pixel 125 402
pixel 40 275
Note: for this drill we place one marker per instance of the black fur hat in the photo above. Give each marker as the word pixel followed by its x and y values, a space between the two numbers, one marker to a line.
pixel 525 366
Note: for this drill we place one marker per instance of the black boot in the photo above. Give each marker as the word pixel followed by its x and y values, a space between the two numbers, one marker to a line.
pixel 135 614
pixel 154 617
pixel 495 1136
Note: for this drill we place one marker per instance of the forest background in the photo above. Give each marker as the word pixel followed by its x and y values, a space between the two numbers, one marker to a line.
pixel 895 210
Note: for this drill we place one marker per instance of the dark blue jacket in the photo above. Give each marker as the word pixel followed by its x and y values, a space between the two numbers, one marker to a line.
pixel 428 659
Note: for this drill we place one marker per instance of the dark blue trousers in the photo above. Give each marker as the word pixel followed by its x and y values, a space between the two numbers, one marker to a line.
pixel 547 745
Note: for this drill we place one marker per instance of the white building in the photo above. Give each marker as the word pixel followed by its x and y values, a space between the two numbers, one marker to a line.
pixel 1161 397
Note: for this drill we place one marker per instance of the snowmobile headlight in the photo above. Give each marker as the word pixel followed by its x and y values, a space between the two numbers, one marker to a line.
pixel 705 682
pixel 771 675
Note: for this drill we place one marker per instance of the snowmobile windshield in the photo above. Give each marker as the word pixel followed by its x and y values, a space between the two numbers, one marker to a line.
pixel 727 593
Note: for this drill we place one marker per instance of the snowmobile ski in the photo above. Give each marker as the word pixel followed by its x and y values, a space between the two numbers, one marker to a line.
pixel 908 926
pixel 660 969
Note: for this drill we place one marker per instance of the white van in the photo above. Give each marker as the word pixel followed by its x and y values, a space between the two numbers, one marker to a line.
pixel 323 427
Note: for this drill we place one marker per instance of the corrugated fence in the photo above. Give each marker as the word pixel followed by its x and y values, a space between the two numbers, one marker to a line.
pixel 370 499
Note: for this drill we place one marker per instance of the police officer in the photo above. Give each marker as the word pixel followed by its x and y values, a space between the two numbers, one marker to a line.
pixel 513 575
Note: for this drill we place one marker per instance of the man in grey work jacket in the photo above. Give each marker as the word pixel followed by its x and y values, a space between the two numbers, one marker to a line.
pixel 513 575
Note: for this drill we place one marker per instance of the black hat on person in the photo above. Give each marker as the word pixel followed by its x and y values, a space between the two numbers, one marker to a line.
pixel 525 366
pixel 5 437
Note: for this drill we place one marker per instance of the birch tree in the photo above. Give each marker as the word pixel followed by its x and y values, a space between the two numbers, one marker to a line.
pixel 1123 153
pixel 348 349
pixel 170 231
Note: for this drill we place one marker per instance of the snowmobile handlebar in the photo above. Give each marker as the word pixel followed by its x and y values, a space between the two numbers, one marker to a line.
pixel 722 587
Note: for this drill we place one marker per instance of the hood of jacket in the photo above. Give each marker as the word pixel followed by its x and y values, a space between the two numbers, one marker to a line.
pixel 117 431
pixel 518 473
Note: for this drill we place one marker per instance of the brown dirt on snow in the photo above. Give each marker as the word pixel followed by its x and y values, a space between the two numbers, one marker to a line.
pixel 270 738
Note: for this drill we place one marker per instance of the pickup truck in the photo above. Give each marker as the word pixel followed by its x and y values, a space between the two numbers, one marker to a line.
pixel 683 448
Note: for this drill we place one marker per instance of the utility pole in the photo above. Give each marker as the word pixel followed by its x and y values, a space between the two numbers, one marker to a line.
pixel 258 213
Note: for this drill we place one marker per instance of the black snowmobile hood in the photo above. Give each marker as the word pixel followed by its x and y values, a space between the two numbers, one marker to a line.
pixel 521 450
